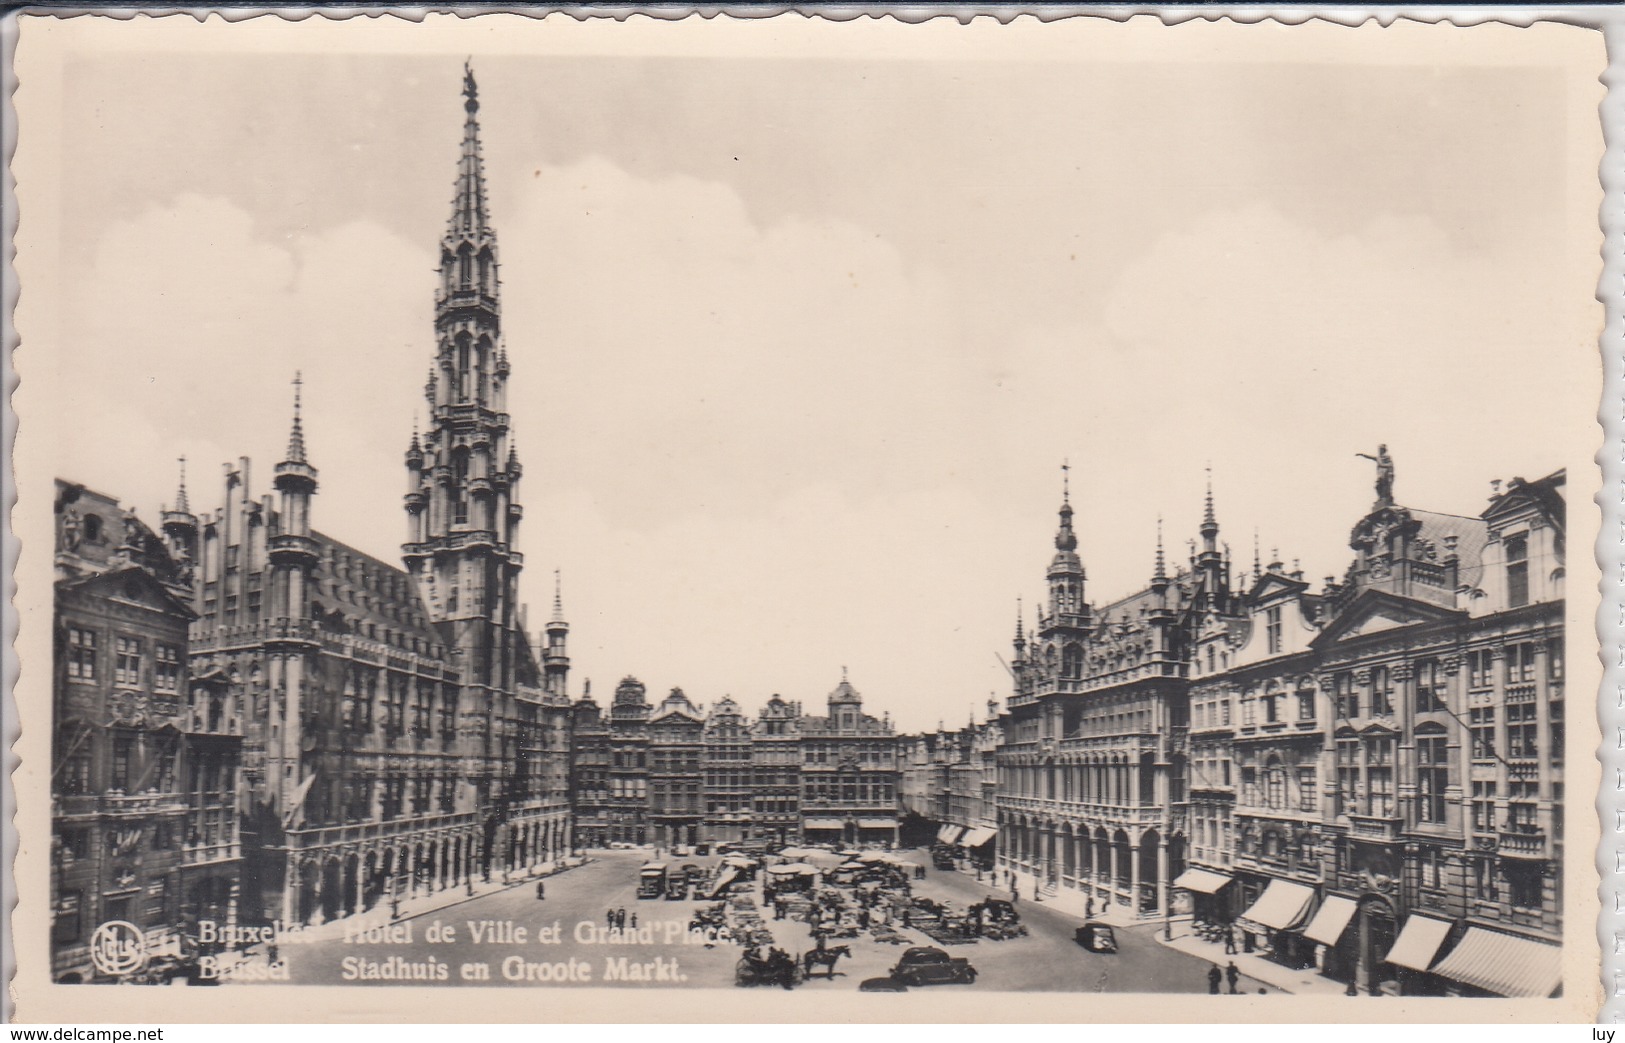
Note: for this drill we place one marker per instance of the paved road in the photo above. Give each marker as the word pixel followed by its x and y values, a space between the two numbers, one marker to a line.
pixel 511 938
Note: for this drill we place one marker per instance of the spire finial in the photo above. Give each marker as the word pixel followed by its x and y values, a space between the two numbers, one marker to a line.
pixel 296 438
pixel 1258 562
pixel 1020 636
pixel 1162 565
pixel 181 506
pixel 843 674
pixel 468 215
pixel 1207 508
pixel 1066 481
pixel 558 596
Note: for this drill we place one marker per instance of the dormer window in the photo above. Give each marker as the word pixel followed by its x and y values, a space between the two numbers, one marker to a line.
pixel 1272 629
pixel 1517 559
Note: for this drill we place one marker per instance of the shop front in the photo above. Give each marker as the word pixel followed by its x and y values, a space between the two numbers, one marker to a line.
pixel 1270 924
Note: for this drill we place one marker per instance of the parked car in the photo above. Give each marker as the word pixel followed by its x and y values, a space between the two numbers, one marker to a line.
pixel 1096 937
pixel 928 965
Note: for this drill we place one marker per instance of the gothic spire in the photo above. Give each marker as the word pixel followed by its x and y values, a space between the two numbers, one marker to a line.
pixel 1208 519
pixel 558 597
pixel 1162 564
pixel 469 218
pixel 1066 540
pixel 181 506
pixel 296 437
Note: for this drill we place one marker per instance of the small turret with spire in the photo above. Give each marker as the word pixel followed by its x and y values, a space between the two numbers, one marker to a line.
pixel 555 654
pixel 1066 573
pixel 180 527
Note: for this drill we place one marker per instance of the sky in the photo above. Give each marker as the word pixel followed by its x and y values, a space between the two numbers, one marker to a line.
pixel 799 345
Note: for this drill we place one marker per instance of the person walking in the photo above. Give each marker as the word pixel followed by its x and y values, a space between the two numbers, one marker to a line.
pixel 635 927
pixel 541 890
pixel 609 918
pixel 1230 940
pixel 1232 976
pixel 1088 906
pixel 1214 976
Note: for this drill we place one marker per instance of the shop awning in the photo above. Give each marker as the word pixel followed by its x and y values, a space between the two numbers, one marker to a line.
pixel 876 823
pixel 1203 880
pixel 822 823
pixel 1418 943
pixel 1282 906
pixel 1331 920
pixel 976 836
pixel 943 831
pixel 1503 964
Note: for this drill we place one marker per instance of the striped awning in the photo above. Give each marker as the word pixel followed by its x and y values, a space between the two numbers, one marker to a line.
pixel 1331 920
pixel 1203 880
pixel 822 823
pixel 976 836
pixel 1418 942
pixel 950 833
pixel 1282 906
pixel 1503 964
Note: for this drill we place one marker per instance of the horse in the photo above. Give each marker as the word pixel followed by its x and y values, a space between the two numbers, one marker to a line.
pixel 825 958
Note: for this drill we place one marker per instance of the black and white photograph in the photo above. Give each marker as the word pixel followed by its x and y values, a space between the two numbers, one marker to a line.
pixel 786 519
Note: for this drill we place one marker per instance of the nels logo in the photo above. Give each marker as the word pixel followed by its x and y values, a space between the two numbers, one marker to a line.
pixel 118 948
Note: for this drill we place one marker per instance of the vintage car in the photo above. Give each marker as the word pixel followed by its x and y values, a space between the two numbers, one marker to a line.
pixel 928 965
pixel 1096 937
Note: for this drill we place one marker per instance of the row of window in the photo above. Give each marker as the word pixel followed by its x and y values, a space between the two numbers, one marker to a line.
pixel 129 661
pixel 1376 697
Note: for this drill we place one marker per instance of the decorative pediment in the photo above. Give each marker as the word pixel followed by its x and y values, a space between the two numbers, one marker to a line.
pixel 133 585
pixel 1375 611
pixel 1273 585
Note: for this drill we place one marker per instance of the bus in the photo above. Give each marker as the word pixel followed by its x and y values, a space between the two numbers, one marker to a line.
pixel 652 880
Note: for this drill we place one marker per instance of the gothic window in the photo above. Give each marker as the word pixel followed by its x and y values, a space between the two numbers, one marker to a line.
pixel 1517 559
pixel 459 463
pixel 1072 661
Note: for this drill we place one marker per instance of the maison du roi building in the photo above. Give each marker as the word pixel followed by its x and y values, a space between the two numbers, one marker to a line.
pixel 1366 778
pixel 254 721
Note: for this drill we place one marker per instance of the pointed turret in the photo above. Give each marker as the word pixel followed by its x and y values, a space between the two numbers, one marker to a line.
pixel 296 437
pixel 555 655
pixel 1066 574
pixel 1210 563
pixel 180 528
pixel 292 551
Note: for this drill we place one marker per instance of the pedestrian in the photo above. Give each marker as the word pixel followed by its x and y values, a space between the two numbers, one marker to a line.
pixel 609 918
pixel 1232 976
pixel 1214 976
pixel 635 926
pixel 1088 906
pixel 1230 940
pixel 541 890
